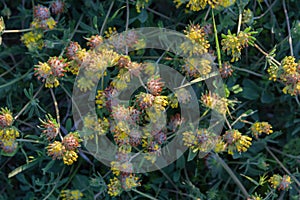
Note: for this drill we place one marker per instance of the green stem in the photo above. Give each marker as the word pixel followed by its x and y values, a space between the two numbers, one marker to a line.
pixel 217 40
pixel 106 17
pixel 15 80
pixel 144 195
pixel 233 176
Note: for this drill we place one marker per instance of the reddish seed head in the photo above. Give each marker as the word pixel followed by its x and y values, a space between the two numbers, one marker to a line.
pixel 41 12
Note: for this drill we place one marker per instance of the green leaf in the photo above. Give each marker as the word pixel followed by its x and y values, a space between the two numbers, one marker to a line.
pixel 143 16
pixel 48 166
pixel 191 155
pixel 23 168
pixel 267 97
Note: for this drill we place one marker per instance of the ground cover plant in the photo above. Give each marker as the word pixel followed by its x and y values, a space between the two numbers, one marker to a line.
pixel 76 76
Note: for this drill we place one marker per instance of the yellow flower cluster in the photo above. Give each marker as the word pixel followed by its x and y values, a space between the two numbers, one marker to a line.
pixel 199 43
pixel 50 71
pixel 236 142
pixel 33 40
pixel 140 4
pixel 213 101
pixel 279 182
pixel 290 76
pixel 198 66
pixel 196 5
pixel 71 195
pixel 288 73
pixel 66 150
pixel 94 62
pixel 110 32
pixel 201 140
pixel 93 125
pixel 114 187
pixel 234 44
pixel 8 133
pixel 261 127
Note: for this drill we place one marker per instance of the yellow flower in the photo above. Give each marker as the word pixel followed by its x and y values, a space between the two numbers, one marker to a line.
pixel 129 181
pixel 71 194
pixel 272 71
pixel 261 127
pixel 275 180
pixel 110 32
pixel 51 23
pixel 236 141
pixel 33 40
pixel 6 118
pixel 56 150
pixel 114 187
pixel 70 157
pixel 140 4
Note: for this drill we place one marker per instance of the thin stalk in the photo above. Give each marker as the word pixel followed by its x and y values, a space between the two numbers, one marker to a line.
pixel 282 166
pixel 288 27
pixel 248 71
pixel 233 176
pixel 266 54
pixel 216 38
pixel 56 110
pixel 127 22
pixel 18 31
pixel 106 17
pixel 144 195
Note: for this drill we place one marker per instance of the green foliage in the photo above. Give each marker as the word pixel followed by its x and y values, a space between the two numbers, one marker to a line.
pixel 249 41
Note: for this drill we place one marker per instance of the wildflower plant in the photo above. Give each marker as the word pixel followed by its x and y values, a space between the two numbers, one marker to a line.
pixel 145 99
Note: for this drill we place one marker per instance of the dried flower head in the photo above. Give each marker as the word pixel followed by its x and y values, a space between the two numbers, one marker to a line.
pixel 155 85
pixel 213 101
pixel 226 70
pixel 50 127
pixel 94 41
pixel 57 7
pixel 72 49
pixel 41 12
pixel 71 141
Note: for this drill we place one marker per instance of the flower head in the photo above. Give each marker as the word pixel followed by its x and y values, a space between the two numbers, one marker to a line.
pixel 282 183
pixel 56 150
pixel 50 127
pixel 69 157
pixel 71 195
pixel 41 12
pixel 155 86
pixel 57 7
pixel 71 141
pixel 6 118
pixel 261 127
pixel 114 187
pixel 94 41
pixel 33 40
pixel 236 141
